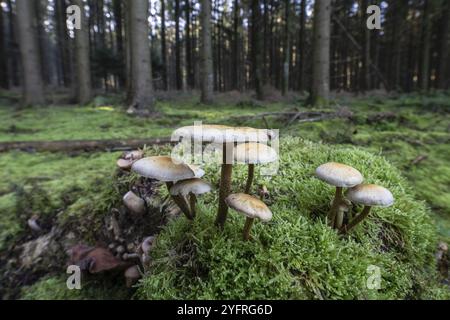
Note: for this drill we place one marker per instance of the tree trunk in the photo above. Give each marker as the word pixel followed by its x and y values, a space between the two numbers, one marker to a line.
pixel 257 49
pixel 442 72
pixel 83 67
pixel 207 77
pixel 118 17
pixel 4 82
pixel 235 67
pixel 141 81
pixel 163 45
pixel 426 46
pixel 62 41
pixel 178 75
pixel 286 50
pixel 366 54
pixel 33 89
pixel 188 47
pixel 13 51
pixel 302 47
pixel 321 53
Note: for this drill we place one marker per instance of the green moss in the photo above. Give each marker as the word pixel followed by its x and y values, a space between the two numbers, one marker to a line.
pixel 296 256
pixel 55 288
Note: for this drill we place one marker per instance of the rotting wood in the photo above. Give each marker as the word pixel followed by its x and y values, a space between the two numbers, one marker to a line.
pixel 82 145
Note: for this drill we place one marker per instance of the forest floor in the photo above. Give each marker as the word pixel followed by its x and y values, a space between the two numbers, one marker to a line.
pixel 411 131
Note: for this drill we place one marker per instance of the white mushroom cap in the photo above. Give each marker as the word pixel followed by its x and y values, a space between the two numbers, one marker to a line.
pixel 163 168
pixel 195 186
pixel 124 164
pixel 249 206
pixel 339 175
pixel 221 133
pixel 134 203
pixel 254 153
pixel 370 195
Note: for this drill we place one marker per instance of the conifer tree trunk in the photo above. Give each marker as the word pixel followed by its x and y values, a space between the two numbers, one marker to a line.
pixel 207 77
pixel 142 98
pixel 82 58
pixel 33 89
pixel 321 53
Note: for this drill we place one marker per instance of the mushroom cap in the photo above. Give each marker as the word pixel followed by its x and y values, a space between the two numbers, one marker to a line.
pixel 124 164
pixel 370 195
pixel 220 133
pixel 249 206
pixel 134 203
pixel 195 186
pixel 163 168
pixel 254 153
pixel 339 175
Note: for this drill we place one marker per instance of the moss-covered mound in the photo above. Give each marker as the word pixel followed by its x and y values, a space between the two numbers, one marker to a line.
pixel 296 256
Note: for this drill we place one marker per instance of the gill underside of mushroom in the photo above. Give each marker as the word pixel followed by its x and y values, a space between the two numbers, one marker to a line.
pixel 250 175
pixel 356 220
pixel 181 202
pixel 225 183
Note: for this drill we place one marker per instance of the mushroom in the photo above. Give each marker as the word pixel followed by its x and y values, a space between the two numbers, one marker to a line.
pixel 132 275
pixel 164 169
pixel 124 164
pixel 251 207
pixel 253 153
pixel 227 136
pixel 340 176
pixel 134 203
pixel 191 188
pixel 368 195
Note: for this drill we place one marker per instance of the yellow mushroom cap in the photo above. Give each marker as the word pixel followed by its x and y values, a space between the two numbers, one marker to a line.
pixel 249 206
pixel 221 133
pixel 163 168
pixel 254 153
pixel 339 175
pixel 195 186
pixel 370 195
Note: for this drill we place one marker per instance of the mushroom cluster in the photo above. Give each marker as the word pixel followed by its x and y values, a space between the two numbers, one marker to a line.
pixel 243 145
pixel 343 176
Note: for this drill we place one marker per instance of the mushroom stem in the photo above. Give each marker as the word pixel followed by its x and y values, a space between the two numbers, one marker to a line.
pixel 251 174
pixel 355 221
pixel 339 218
pixel 335 206
pixel 225 183
pixel 247 227
pixel 181 202
pixel 192 202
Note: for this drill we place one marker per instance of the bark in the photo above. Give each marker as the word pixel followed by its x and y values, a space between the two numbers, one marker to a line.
pixel 286 50
pixel 4 82
pixel 62 42
pixel 33 90
pixel 82 145
pixel 118 17
pixel 236 39
pixel 163 45
pixel 367 44
pixel 207 77
pixel 188 47
pixel 257 49
pixel 426 46
pixel 13 51
pixel 141 80
pixel 302 46
pixel 442 72
pixel 82 58
pixel 321 52
pixel 178 75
